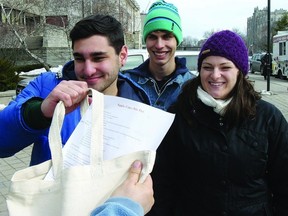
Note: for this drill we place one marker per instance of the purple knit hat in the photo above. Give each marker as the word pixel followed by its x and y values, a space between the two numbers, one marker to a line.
pixel 228 45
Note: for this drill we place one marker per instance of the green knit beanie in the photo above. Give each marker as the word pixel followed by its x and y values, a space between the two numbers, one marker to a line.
pixel 163 16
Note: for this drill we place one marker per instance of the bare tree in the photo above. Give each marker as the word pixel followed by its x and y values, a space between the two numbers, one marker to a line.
pixel 124 12
pixel 47 23
pixel 14 14
pixel 38 25
pixel 189 42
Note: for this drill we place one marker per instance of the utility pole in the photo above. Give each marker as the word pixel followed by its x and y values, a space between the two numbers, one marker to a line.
pixel 268 47
pixel 83 8
pixel 119 7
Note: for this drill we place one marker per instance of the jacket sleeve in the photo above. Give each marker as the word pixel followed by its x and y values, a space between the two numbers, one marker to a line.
pixel 119 206
pixel 15 134
pixel 277 163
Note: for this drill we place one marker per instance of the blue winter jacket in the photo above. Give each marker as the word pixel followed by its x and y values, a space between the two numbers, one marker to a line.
pixel 15 134
pixel 163 98
pixel 119 206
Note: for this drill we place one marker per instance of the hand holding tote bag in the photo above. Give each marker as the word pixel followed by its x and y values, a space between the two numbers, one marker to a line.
pixel 76 190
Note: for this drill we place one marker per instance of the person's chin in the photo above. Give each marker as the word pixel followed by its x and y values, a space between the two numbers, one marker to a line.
pixel 94 85
pixel 161 60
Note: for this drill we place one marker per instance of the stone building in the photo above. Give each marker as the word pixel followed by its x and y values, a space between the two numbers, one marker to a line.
pixel 45 24
pixel 257 28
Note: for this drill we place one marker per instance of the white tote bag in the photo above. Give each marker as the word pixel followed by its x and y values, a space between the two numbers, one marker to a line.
pixel 76 190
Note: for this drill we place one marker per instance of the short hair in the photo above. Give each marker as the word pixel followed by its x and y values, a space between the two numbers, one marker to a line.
pixel 103 25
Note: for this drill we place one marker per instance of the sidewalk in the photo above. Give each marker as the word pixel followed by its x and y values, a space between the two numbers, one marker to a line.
pixel 5 97
pixel 8 166
pixel 278 95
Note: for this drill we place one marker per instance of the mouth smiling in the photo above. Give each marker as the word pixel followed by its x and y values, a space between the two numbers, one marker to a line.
pixel 92 80
pixel 160 54
pixel 216 84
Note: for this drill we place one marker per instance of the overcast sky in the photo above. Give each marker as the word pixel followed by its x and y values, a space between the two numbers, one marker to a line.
pixel 199 16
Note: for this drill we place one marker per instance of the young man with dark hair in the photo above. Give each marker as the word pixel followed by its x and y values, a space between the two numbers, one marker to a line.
pixel 99 53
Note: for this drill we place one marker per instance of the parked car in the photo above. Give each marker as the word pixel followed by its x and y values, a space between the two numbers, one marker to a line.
pixel 23 83
pixel 27 77
pixel 191 60
pixel 138 56
pixel 135 58
pixel 255 63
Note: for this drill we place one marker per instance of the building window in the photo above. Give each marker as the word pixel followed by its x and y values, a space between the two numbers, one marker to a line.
pixel 282 48
pixel 31 22
pixel 61 21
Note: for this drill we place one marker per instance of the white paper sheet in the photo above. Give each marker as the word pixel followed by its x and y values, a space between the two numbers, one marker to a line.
pixel 129 126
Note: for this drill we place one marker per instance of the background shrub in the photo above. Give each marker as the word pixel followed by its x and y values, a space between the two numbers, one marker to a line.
pixel 8 76
pixel 26 68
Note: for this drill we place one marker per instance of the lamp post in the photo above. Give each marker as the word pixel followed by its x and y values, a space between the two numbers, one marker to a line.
pixel 268 47
pixel 82 6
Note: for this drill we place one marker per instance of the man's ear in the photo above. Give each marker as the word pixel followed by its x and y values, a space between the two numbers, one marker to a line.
pixel 123 55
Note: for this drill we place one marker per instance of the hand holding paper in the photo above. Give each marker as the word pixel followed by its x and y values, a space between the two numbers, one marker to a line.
pixel 129 126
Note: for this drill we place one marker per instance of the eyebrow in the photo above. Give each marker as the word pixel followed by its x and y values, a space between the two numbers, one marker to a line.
pixel 94 54
pixel 163 31
pixel 224 63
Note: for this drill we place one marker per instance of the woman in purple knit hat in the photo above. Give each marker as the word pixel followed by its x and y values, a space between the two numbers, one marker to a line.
pixel 227 150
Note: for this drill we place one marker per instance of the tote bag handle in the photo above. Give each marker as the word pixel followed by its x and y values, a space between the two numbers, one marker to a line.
pixel 54 136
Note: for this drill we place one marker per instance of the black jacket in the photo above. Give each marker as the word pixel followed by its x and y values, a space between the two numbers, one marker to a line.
pixel 205 169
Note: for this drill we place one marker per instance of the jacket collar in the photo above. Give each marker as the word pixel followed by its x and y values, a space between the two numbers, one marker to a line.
pixel 143 69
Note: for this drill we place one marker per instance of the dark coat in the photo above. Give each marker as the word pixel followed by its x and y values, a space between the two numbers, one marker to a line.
pixel 205 169
pixel 266 61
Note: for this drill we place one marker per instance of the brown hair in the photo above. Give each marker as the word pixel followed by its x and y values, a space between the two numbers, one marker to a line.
pixel 241 107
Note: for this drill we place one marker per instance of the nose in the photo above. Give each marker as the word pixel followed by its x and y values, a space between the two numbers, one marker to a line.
pixel 88 68
pixel 159 43
pixel 216 73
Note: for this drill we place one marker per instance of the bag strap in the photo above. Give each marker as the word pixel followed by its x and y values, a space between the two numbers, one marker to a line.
pixel 97 131
pixel 55 142
pixel 97 128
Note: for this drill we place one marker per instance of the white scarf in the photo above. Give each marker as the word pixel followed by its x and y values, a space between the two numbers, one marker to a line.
pixel 218 105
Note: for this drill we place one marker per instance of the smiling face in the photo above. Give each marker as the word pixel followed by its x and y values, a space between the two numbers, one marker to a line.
pixel 218 76
pixel 97 63
pixel 161 46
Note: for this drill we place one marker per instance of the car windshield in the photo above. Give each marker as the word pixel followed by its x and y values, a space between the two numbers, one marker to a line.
pixel 191 61
pixel 133 61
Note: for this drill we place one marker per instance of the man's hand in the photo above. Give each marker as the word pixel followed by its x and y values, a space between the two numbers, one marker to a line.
pixel 138 192
pixel 70 92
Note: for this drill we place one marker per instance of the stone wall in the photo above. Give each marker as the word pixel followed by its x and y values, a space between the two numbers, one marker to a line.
pixel 51 43
pixel 54 56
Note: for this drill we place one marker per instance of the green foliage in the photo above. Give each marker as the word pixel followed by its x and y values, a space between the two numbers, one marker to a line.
pixel 281 24
pixel 8 77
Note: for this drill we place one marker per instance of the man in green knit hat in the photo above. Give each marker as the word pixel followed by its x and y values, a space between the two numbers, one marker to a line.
pixel 163 74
